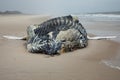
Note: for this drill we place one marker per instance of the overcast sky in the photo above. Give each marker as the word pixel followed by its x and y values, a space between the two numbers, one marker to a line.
pixel 60 6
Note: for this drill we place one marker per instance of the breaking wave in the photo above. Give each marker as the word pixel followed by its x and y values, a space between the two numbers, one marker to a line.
pixel 100 17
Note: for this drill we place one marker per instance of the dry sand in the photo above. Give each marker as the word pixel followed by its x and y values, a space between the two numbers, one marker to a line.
pixel 84 64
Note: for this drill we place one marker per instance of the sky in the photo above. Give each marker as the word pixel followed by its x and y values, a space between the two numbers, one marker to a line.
pixel 60 6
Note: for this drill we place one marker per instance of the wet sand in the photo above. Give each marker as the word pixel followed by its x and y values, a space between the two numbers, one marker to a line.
pixel 83 64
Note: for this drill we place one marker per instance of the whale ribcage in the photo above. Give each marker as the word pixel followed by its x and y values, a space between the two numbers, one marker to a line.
pixel 43 42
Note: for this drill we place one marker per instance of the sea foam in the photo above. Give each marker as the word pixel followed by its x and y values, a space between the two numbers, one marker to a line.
pixel 112 64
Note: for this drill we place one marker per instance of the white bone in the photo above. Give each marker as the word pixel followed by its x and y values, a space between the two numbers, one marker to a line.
pixel 13 37
pixel 101 37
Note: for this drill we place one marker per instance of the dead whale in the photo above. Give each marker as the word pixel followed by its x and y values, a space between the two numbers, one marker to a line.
pixel 57 35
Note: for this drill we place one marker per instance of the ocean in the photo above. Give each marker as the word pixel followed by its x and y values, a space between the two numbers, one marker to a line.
pixel 99 17
pixel 112 20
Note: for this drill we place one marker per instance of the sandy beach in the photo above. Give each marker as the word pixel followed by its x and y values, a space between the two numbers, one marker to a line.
pixel 16 63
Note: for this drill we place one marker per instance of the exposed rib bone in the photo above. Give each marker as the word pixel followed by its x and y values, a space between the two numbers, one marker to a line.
pixel 101 37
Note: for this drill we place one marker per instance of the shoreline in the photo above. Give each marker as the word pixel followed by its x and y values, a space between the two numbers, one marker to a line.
pixel 17 63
